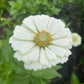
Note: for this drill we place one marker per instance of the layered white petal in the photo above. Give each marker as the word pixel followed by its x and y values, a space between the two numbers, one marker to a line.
pixel 50 55
pixel 37 20
pixel 59 51
pixel 63 60
pixel 18 56
pixel 16 44
pixel 34 54
pixel 26 47
pixel 60 34
pixel 55 25
pixel 43 59
pixel 22 34
pixel 61 42
pixel 51 24
pixel 29 23
pixel 44 21
pixel 68 52
pixel 21 57
pixel 31 56
pixel 11 40
pixel 69 36
pixel 41 21
pixel 35 66
pixel 59 25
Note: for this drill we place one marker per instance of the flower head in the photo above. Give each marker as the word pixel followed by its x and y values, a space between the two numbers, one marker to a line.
pixel 76 39
pixel 41 42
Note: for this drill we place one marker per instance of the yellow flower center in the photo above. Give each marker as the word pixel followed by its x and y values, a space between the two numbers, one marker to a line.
pixel 42 39
pixel 74 39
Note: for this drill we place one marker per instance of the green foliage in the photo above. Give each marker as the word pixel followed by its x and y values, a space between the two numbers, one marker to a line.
pixel 74 79
pixel 0 43
pixel 3 5
pixel 80 5
pixel 7 67
pixel 46 74
pixel 22 8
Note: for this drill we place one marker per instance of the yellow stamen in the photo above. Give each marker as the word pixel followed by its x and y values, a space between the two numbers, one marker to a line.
pixel 42 39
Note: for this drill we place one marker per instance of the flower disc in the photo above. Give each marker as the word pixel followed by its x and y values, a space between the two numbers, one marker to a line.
pixel 42 39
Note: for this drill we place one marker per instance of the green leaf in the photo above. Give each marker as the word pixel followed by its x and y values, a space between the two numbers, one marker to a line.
pixel 57 67
pixel 0 43
pixel 56 10
pixel 20 79
pixel 37 81
pixel 13 11
pixel 12 3
pixel 8 31
pixel 19 2
pixel 7 71
pixel 68 24
pixel 74 79
pixel 6 52
pixel 46 74
pixel 3 23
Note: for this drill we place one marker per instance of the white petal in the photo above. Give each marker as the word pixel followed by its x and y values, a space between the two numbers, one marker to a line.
pixel 43 59
pixel 70 37
pixel 55 25
pixel 41 21
pixel 60 23
pixel 69 33
pixel 61 42
pixel 51 24
pixel 31 56
pixel 35 66
pixel 22 33
pixel 11 40
pixel 26 47
pixel 63 60
pixel 28 66
pixel 68 52
pixel 18 56
pixel 37 20
pixel 59 34
pixel 50 55
pixel 48 66
pixel 34 54
pixel 21 57
pixel 16 44
pixel 57 50
pixel 44 21
pixel 29 23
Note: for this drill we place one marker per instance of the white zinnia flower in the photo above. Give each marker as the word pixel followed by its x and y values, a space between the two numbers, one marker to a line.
pixel 41 42
pixel 76 39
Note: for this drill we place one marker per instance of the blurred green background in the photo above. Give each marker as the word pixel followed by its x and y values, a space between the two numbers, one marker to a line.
pixel 12 12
